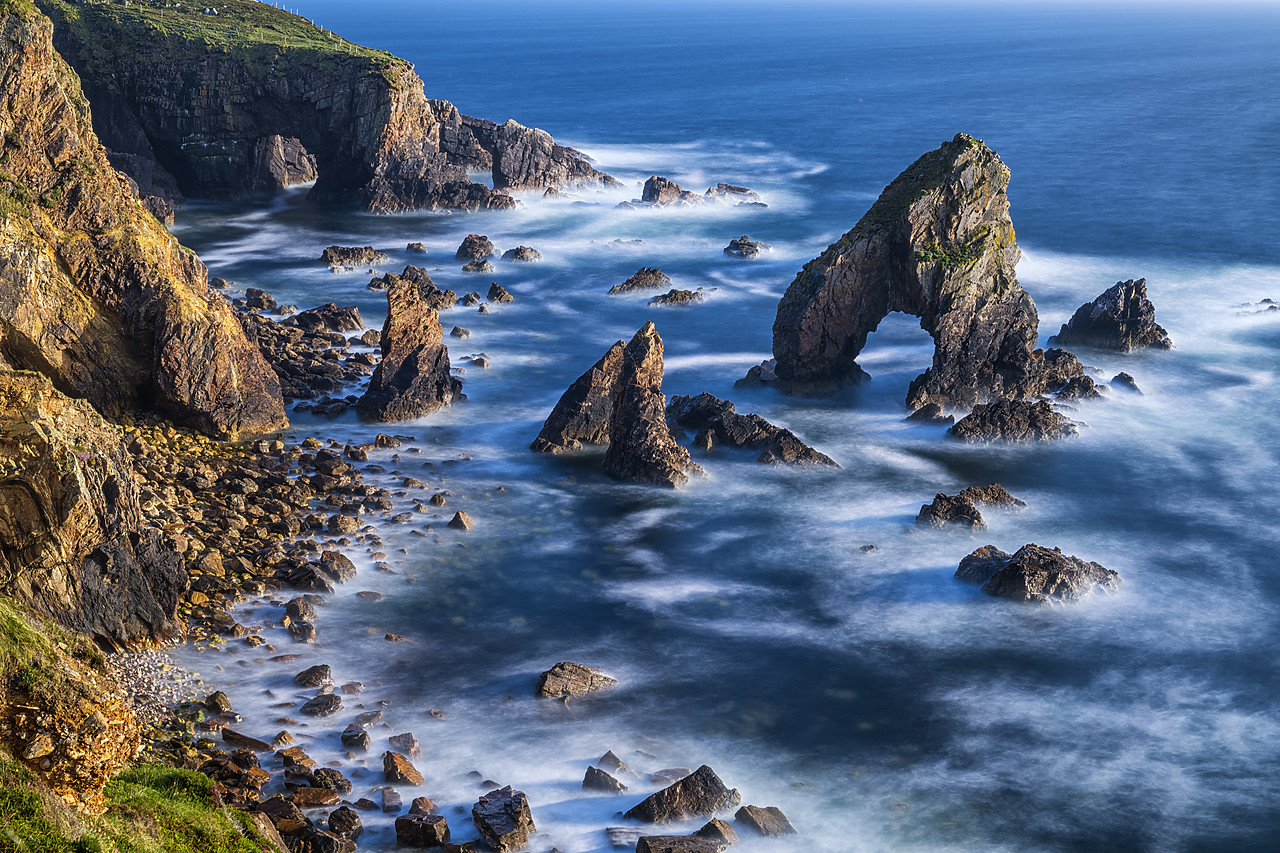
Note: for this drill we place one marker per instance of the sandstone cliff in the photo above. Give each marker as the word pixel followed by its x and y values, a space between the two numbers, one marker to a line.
pixel 94 292
pixel 220 105
pixel 938 244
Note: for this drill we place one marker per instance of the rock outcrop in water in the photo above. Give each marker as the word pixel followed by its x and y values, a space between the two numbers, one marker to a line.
pixel 1015 421
pixel 700 794
pixel 73 544
pixel 662 192
pixel 719 425
pixel 938 244
pixel 254 98
pixel 1122 318
pixel 581 415
pixel 413 378
pixel 962 510
pixel 645 278
pixel 1034 574
pixel 94 292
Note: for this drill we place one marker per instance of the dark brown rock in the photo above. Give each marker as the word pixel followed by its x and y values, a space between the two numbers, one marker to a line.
pixel 345 822
pixel 416 248
pixel 718 830
pixel 1122 318
pixel 1016 421
pixel 503 819
pixel 676 298
pixel 475 247
pixel 745 247
pixel 598 780
pixel 399 770
pixel 1080 388
pixel 236 739
pixel 660 191
pixel 572 679
pixel 718 424
pixel 316 676
pixel 678 844
pixel 479 266
pixel 611 763
pixel 420 830
pixel 767 820
pixel 310 798
pixel 646 278
pixel 1034 574
pixel 330 317
pixel 700 794
pixel 406 744
pixel 498 293
pixel 353 256
pixel 938 244
pixel 581 416
pixel 413 378
pixel 641 448
pixel 962 510
pixel 461 521
pixel 522 254
pixel 324 705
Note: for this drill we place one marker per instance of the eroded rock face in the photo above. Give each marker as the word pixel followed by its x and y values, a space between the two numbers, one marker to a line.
pixel 659 190
pixel 700 794
pixel 73 545
pixel 94 292
pixel 1016 421
pixel 1122 318
pixel 503 819
pixel 641 448
pixel 571 679
pixel 718 424
pixel 938 244
pixel 433 296
pixel 581 416
pixel 1034 574
pixel 412 380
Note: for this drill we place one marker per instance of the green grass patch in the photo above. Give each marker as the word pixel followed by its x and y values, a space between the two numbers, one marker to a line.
pixel 31 821
pixel 176 810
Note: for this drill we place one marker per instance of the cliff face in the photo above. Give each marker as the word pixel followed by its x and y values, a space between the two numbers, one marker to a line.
pixel 938 244
pixel 189 100
pixel 73 545
pixel 94 292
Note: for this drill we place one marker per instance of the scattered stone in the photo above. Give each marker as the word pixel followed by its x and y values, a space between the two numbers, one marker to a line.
pixel 598 780
pixel 406 744
pixel 345 822
pixel 1125 382
pixel 422 830
pixel 1034 574
pixel 461 521
pixel 416 249
pixel 676 298
pixel 503 819
pixel 678 844
pixel 399 770
pixel 646 278
pixel 768 820
pixel 718 830
pixel 522 254
pixel 218 703
pixel 571 679
pixel 353 256
pixel 1016 421
pixel 315 676
pixel 700 794
pixel 498 293
pixel 459 332
pixel 475 247
pixel 1122 318
pixel 745 247
pixel 324 705
pixel 331 778
pixel 479 266
pixel 355 737
pixel 391 800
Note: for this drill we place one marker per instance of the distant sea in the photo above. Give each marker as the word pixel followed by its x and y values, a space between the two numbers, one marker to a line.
pixel 882 704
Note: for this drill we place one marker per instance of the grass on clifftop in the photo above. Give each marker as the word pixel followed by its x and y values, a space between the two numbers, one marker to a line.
pixel 252 29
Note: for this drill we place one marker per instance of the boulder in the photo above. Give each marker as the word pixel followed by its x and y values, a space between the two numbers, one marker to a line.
pixel 1122 318
pixel 745 247
pixel 938 244
pixel 503 819
pixel 353 256
pixel 581 416
pixel 962 510
pixel 259 300
pixel 767 820
pixel 1015 421
pixel 598 780
pixel 675 297
pixel 422 830
pixel 641 448
pixel 646 278
pixel 1080 388
pixel 416 249
pixel 571 679
pixel 498 293
pixel 700 794
pixel 611 763
pixel 1125 382
pixel 678 844
pixel 413 378
pixel 406 744
pixel 522 254
pixel 461 521
pixel 718 424
pixel 1034 574
pixel 660 191
pixel 345 822
pixel 479 266
pixel 718 830
pixel 331 318
pixel 316 676
pixel 324 705
pixel 475 247
pixel 399 770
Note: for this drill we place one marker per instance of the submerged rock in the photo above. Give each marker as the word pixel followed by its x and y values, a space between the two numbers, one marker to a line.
pixel 646 278
pixel 571 679
pixel 412 379
pixel 938 244
pixel 745 247
pixel 718 424
pixel 503 819
pixel 353 256
pixel 1122 318
pixel 700 794
pixel 1016 421
pixel 1034 574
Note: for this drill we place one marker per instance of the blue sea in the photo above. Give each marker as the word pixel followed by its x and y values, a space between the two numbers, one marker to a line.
pixel 882 704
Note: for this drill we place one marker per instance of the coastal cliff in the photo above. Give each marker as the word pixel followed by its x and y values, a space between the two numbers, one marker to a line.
pixel 95 294
pixel 219 105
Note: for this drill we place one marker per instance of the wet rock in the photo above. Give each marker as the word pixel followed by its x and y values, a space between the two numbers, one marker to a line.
pixel 392 802
pixel 962 510
pixel 745 247
pixel 598 780
pixel 310 798
pixel 641 448
pixel 1058 367
pixel 938 244
pixel 675 298
pixel 406 744
pixel 316 676
pixel 700 794
pixel 324 705
pixel 472 299
pixel 646 278
pixel 522 254
pixel 660 191
pixel 399 770
pixel 259 300
pixel 767 820
pixel 930 413
pixel 459 332
pixel 330 317
pixel 355 737
pixel 503 819
pixel 1122 318
pixel 718 830
pixel 719 425
pixel 218 702
pixel 1125 382
pixel 1034 574
pixel 461 521
pixel 419 830
pixel 422 805
pixel 282 812
pixel 479 266
pixel 678 844
pixel 234 738
pixel 519 157
pixel 416 249
pixel 572 679
pixel 611 763
pixel 475 247
pixel 328 777
pixel 581 416
pixel 1016 421
pixel 412 379
pixel 300 610
pixel 345 822
pixel 498 293
pixel 353 256
pixel 1080 388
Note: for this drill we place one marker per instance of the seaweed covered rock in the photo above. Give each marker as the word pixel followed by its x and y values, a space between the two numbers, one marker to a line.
pixel 938 244
pixel 1016 421
pixel 412 380
pixel 1034 574
pixel 718 424
pixel 1122 318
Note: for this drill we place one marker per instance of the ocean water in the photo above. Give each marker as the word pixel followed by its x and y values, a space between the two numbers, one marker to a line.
pixel 882 704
